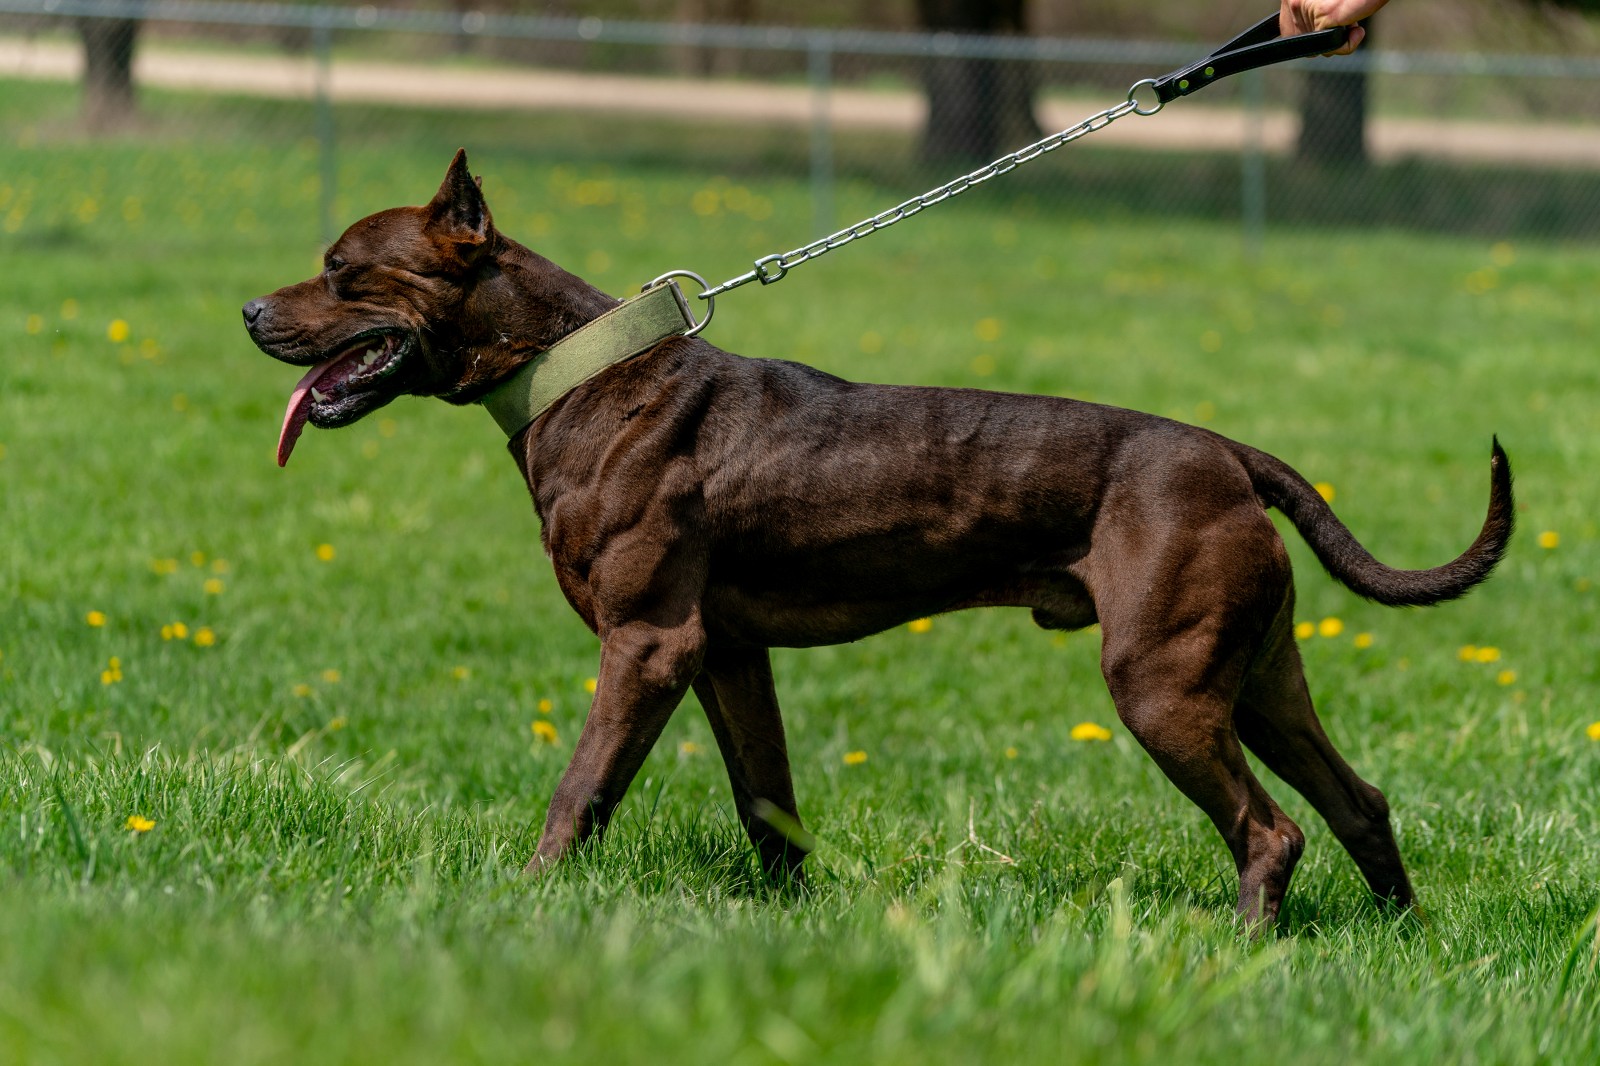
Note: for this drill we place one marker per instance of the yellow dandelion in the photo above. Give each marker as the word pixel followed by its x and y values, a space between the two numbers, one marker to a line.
pixel 854 758
pixel 871 342
pixel 1330 627
pixel 461 673
pixel 1549 539
pixel 1593 730
pixel 705 202
pixel 1506 677
pixel 163 567
pixel 138 824
pixel 117 332
pixel 1467 653
pixel 590 684
pixel 95 618
pixel 331 676
pixel 180 631
pixel 197 558
pixel 325 552
pixel 545 731
pixel 688 747
pixel 1363 640
pixel 301 691
pixel 1011 753
pixel 1302 630
pixel 35 324
pixel 213 586
pixel 219 566
pixel 920 625
pixel 987 330
pixel 1486 655
pixel 1090 731
pixel 546 706
pixel 112 673
pixel 69 309
pixel 204 637
pixel 1325 490
pixel 336 724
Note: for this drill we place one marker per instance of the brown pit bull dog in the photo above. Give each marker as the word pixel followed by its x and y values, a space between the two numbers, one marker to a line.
pixel 700 508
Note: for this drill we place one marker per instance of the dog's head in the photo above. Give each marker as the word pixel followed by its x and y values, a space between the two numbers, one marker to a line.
pixel 414 300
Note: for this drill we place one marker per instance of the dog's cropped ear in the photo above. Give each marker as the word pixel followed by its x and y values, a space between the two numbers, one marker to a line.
pixel 458 214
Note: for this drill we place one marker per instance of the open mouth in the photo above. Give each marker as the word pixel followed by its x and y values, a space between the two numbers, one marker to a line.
pixel 337 391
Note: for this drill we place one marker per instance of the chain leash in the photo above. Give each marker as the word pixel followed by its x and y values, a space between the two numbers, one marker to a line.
pixel 771 268
pixel 1258 46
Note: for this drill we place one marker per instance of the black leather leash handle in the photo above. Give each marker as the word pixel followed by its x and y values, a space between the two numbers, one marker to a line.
pixel 1259 46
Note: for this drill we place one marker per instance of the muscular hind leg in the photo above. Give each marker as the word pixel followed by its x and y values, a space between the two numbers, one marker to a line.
pixel 1276 719
pixel 1188 576
pixel 1187 727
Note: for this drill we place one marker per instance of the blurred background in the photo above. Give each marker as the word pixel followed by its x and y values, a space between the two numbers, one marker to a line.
pixel 1466 116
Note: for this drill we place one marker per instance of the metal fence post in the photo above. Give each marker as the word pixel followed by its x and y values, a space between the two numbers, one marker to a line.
pixel 819 66
pixel 1253 176
pixel 322 44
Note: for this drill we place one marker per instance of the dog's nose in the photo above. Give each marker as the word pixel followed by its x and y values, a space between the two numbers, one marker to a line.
pixel 252 311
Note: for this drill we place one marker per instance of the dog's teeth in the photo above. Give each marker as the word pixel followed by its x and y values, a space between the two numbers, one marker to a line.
pixel 371 356
pixel 318 395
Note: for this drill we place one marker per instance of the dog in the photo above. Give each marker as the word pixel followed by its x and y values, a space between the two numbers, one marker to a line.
pixel 700 508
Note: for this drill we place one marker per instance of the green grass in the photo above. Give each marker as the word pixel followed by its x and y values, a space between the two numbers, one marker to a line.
pixel 332 875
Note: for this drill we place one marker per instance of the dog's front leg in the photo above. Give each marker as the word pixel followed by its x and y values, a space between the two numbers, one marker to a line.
pixel 741 704
pixel 644 671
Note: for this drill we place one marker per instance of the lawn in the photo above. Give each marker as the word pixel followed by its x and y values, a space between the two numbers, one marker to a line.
pixel 319 684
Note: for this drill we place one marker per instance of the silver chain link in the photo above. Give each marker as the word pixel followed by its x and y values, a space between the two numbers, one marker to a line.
pixel 771 268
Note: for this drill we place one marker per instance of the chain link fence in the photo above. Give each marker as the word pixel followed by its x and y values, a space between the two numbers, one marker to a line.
pixel 199 114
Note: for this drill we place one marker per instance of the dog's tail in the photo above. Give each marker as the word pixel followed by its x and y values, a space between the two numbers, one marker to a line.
pixel 1280 485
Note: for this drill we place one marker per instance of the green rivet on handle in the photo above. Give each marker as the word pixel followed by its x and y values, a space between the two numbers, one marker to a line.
pixel 1210 71
pixel 1184 84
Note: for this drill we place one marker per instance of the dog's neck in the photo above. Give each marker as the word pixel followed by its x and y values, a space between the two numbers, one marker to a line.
pixel 521 304
pixel 630 328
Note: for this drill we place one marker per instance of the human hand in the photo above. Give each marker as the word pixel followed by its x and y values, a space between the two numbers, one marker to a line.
pixel 1306 16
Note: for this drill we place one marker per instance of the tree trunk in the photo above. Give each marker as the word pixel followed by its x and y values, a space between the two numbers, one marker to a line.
pixel 977 108
pixel 701 61
pixel 1333 115
pixel 108 101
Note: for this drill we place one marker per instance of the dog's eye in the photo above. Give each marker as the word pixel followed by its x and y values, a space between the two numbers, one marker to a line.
pixel 333 264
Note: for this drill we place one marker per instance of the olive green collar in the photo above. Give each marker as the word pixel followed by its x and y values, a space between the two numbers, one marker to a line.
pixel 621 333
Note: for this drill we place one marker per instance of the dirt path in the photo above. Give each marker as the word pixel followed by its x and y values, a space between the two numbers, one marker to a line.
pixel 1186 125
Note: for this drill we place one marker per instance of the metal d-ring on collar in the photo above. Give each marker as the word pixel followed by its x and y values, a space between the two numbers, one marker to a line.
pixel 711 303
pixel 1258 46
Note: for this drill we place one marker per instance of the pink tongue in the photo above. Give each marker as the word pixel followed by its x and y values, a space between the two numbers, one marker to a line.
pixel 299 409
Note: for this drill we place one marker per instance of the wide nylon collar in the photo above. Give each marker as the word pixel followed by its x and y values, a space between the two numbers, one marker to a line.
pixel 631 327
